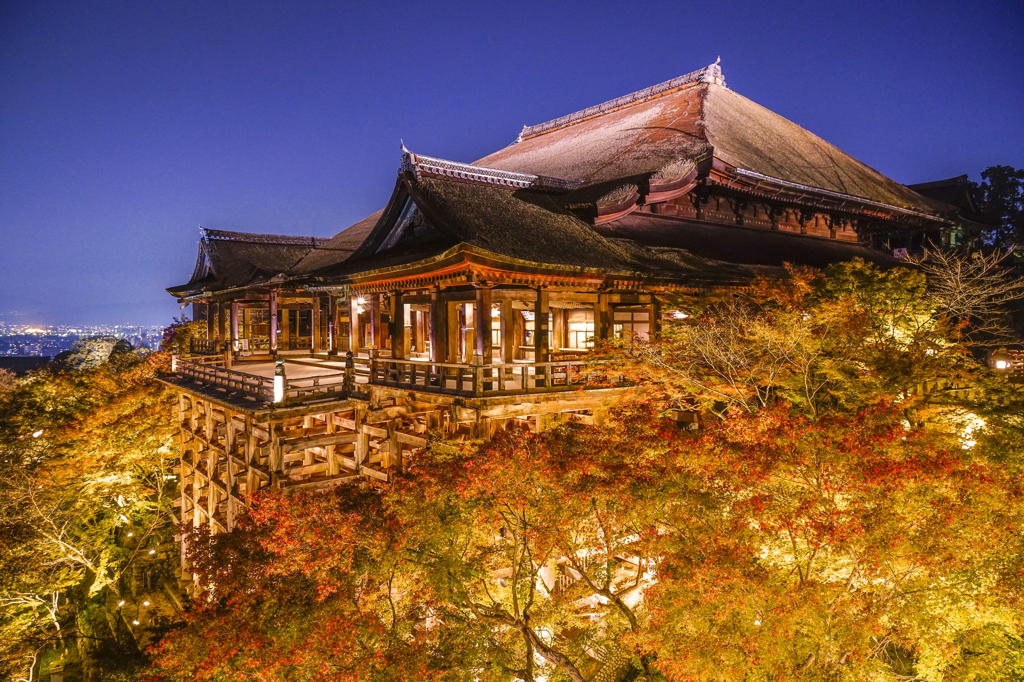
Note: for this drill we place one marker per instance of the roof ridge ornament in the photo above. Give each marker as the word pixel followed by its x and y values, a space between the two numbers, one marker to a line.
pixel 709 74
pixel 420 165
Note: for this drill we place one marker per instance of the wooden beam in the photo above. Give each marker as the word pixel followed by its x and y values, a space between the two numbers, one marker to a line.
pixel 300 444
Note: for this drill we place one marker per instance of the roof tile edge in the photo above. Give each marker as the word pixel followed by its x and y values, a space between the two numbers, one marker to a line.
pixel 209 234
pixel 419 164
pixel 709 74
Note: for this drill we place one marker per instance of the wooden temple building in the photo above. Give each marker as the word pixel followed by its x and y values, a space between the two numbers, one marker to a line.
pixel 469 302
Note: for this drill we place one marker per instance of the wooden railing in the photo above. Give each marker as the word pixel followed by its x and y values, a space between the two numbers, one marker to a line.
pixel 324 386
pixel 418 375
pixel 488 380
pixel 213 372
pixel 204 346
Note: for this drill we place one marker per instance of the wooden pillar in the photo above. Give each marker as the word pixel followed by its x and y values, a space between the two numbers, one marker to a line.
pixel 286 329
pixel 375 321
pixel 315 341
pixel 456 335
pixel 250 459
pixel 362 451
pixel 193 421
pixel 211 466
pixel 234 326
pixel 558 331
pixel 354 340
pixel 421 328
pixel 273 321
pixel 229 482
pixel 603 317
pixel 654 323
pixel 394 448
pixel 179 416
pixel 482 324
pixel 397 325
pixel 541 346
pixel 438 327
pixel 276 460
pixel 508 338
pixel 332 462
pixel 211 320
pixel 332 325
pixel 415 339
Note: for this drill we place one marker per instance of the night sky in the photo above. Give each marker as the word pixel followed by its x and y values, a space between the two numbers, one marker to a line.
pixel 124 126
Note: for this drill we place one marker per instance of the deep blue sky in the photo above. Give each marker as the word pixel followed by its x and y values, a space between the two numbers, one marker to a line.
pixel 124 126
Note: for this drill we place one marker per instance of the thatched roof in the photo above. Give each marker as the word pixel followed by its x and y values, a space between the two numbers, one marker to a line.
pixel 682 123
pixel 233 259
pixel 338 248
pixel 531 228
pixel 521 224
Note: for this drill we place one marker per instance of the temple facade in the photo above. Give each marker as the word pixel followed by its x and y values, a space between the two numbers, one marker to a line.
pixel 471 300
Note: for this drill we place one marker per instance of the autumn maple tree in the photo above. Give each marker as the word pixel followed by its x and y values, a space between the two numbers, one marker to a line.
pixel 848 510
pixel 84 497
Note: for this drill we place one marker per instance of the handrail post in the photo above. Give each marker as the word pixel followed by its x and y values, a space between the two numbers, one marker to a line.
pixel 349 384
pixel 372 353
pixel 478 374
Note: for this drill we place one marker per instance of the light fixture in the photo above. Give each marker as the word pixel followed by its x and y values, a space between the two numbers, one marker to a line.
pixel 145 603
pixel 152 551
pixel 135 622
pixel 120 603
pixel 1001 361
pixel 679 315
pixel 37 433
pixel 279 379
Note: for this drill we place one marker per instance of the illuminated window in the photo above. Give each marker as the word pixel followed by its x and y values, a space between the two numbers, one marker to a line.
pixel 580 327
pixel 631 321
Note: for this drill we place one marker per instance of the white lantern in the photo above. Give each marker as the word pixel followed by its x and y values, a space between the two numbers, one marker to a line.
pixel 279 382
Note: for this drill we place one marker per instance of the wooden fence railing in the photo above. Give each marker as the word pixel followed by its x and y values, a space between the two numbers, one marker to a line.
pixel 213 372
pixel 488 380
pixel 419 375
